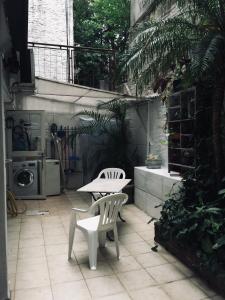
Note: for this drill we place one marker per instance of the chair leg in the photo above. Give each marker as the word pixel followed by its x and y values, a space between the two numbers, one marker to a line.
pixel 116 241
pixel 102 239
pixel 71 234
pixel 92 249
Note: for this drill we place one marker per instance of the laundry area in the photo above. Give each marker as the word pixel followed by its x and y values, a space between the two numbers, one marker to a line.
pixel 45 154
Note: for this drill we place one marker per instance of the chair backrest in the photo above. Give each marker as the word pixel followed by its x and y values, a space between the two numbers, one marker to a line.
pixel 109 208
pixel 112 173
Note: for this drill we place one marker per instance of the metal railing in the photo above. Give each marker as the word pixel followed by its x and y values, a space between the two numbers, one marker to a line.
pixel 94 67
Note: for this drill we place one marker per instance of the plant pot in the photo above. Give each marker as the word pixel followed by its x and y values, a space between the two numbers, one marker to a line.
pixel 189 257
pixel 153 164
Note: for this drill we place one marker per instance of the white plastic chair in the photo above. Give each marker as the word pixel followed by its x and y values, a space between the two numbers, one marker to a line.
pixel 95 228
pixel 112 173
pixel 109 173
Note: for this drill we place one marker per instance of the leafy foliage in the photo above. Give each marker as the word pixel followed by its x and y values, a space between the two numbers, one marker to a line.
pixel 99 24
pixel 194 214
pixel 110 124
pixel 197 31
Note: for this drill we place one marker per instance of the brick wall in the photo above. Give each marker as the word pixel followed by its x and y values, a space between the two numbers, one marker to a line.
pixel 48 24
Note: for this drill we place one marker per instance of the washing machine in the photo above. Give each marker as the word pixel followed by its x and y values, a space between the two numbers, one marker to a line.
pixel 25 178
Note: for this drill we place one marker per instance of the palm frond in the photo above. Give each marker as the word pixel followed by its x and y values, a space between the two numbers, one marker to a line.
pixel 206 55
pixel 160 46
pixel 196 31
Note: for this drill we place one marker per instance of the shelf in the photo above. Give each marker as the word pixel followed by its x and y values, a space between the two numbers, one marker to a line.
pixel 175 106
pixel 181 123
pixel 187 134
pixel 181 148
pixel 182 120
pixel 183 166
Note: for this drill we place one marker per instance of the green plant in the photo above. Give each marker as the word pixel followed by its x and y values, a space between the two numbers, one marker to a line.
pixel 196 33
pixel 109 126
pixel 196 221
pixel 100 24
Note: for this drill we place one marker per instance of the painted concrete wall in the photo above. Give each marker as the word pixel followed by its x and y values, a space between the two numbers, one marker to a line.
pixel 3 214
pixel 147 131
pixel 4 96
pixel 137 131
pixel 51 22
pixel 152 188
pixel 138 8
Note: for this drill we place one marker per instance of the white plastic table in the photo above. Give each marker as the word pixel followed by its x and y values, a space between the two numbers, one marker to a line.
pixel 105 186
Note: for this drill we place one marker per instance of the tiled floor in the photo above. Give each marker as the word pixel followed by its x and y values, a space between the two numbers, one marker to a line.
pixel 39 269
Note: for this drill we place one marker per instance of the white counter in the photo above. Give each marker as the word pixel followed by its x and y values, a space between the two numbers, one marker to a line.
pixel 152 187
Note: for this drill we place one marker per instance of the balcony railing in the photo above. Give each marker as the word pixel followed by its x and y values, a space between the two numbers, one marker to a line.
pixel 94 67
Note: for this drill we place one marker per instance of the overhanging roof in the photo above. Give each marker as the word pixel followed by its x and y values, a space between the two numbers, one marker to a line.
pixel 77 94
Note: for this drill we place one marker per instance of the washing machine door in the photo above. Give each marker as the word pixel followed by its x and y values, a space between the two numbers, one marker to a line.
pixel 24 178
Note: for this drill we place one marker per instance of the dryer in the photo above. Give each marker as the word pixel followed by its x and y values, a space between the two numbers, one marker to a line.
pixel 25 178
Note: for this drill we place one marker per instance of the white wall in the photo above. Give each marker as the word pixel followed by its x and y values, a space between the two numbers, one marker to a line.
pixel 4 46
pixel 139 121
pixel 138 8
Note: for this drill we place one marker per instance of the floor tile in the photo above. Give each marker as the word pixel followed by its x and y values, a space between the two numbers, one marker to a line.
pixel 104 286
pixel 147 235
pixel 83 258
pixel 43 293
pixel 13 236
pixel 136 279
pixel 103 269
pixel 60 260
pixel 110 252
pixel 12 281
pixel 37 256
pixel 56 249
pixel 32 242
pixel 124 264
pixel 31 265
pixel 150 293
pixel 130 238
pixel 31 234
pixel 71 291
pixel 55 239
pixel 33 252
pixel 53 231
pixel 122 296
pixel 138 248
pixel 66 273
pixel 184 269
pixel 184 289
pixel 165 273
pixel 150 259
pixel 80 246
pixel 28 280
pixel 11 265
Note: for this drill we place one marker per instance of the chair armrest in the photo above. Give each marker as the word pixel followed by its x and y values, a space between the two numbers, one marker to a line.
pixel 79 210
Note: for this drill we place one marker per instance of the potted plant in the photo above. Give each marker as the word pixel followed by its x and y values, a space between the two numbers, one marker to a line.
pixel 153 161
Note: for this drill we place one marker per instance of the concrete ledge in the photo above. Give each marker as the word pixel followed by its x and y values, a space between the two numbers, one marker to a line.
pixel 152 187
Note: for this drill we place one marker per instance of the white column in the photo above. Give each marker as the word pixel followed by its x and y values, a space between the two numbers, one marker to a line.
pixel 4 293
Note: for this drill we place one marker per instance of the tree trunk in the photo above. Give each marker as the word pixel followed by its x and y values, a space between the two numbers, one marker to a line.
pixel 217 108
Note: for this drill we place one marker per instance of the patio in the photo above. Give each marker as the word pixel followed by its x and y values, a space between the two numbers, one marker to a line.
pixel 39 269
